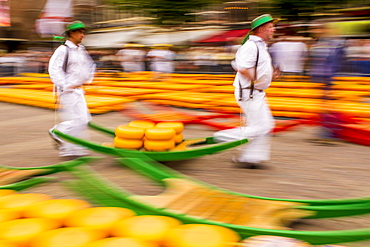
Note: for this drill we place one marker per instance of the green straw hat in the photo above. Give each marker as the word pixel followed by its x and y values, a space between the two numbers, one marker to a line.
pixel 259 21
pixel 262 19
pixel 75 25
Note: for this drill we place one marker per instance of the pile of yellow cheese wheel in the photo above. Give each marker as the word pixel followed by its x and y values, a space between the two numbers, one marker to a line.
pixel 38 220
pixel 137 134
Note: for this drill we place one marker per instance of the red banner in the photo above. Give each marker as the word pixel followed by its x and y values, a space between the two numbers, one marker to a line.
pixel 4 13
pixel 54 16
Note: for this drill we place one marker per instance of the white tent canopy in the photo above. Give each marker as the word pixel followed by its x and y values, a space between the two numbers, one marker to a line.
pixel 114 39
pixel 175 37
pixel 144 35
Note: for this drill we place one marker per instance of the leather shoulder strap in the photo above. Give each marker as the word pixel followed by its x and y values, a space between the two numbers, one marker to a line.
pixel 65 63
pixel 255 72
pixel 252 82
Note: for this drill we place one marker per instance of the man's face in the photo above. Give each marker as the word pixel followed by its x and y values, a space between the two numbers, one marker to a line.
pixel 76 36
pixel 317 31
pixel 266 31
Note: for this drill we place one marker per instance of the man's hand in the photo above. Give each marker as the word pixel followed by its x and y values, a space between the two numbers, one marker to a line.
pixel 276 74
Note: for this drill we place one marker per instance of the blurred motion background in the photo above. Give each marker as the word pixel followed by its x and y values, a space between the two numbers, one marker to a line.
pixel 205 34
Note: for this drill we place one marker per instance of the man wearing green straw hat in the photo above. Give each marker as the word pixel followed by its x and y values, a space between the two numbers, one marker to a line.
pixel 254 75
pixel 70 67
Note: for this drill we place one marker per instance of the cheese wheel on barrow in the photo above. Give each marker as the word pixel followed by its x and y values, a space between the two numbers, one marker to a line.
pixel 127 143
pixel 200 235
pixel 157 133
pixel 178 138
pixel 143 124
pixel 129 132
pixel 162 145
pixel 178 126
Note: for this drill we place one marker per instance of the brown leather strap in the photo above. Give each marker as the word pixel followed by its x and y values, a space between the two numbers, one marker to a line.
pixel 252 81
pixel 255 73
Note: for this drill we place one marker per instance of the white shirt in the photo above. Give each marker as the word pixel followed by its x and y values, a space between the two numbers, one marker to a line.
pixel 80 67
pixel 162 60
pixel 131 55
pixel 161 55
pixel 245 58
pixel 132 59
pixel 289 56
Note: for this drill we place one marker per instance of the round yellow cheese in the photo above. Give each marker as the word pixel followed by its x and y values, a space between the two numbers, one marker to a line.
pixel 6 243
pixel 129 132
pixel 121 242
pixel 178 138
pixel 9 214
pixel 143 124
pixel 145 227
pixel 199 235
pixel 22 200
pixel 21 231
pixel 67 237
pixel 6 192
pixel 57 209
pixel 127 143
pixel 98 217
pixel 178 126
pixel 157 133
pixel 158 146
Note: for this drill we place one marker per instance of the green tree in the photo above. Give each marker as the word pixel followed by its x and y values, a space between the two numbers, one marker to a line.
pixel 293 10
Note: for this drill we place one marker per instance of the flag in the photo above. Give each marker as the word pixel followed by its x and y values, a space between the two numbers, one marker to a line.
pixel 53 18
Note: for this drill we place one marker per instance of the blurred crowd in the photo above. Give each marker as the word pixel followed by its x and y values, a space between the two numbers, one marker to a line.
pixel 291 54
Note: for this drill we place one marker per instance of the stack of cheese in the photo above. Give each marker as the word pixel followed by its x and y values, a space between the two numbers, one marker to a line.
pixel 158 137
pixel 38 220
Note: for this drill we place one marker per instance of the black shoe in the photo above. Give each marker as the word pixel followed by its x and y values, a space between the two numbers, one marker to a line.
pixel 71 157
pixel 247 165
pixel 324 142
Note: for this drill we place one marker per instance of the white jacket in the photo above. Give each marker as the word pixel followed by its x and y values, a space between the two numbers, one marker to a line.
pixel 80 67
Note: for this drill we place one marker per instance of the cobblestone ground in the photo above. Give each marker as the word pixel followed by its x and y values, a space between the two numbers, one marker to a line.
pixel 297 169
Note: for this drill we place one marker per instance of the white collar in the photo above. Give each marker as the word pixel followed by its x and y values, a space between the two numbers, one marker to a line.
pixel 70 44
pixel 255 38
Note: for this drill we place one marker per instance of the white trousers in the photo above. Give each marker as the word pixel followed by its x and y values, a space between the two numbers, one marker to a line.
pixel 259 124
pixel 163 67
pixel 133 66
pixel 74 117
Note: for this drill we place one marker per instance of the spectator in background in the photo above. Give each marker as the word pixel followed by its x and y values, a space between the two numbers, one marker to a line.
pixel 96 56
pixel 132 57
pixel 358 56
pixel 326 57
pixel 109 61
pixel 161 60
pixel 289 55
pixel 232 44
pixel 205 59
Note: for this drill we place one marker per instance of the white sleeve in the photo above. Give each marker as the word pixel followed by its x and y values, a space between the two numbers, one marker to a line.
pixel 91 67
pixel 56 72
pixel 246 56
